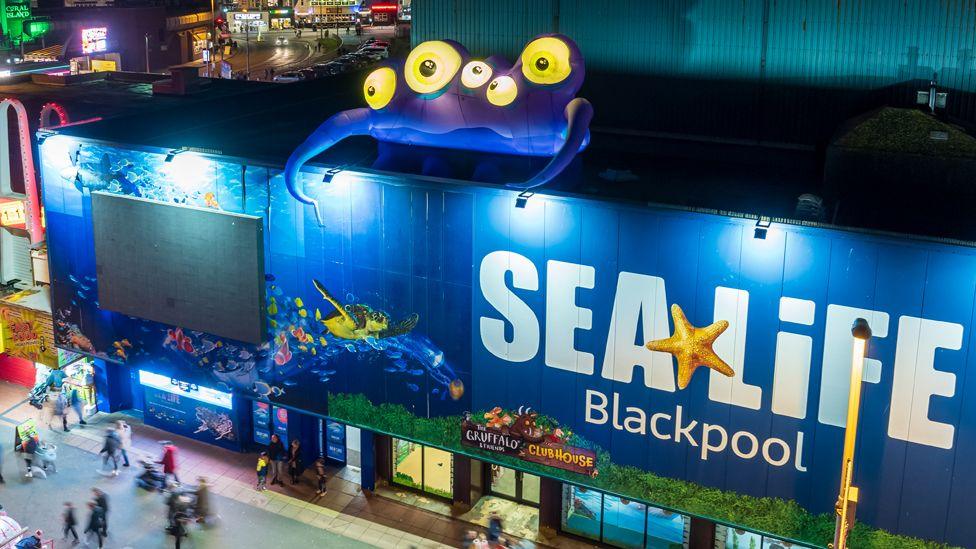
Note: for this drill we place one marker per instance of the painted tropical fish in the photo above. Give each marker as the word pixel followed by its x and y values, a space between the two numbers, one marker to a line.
pixel 440 97
pixel 179 341
pixel 210 201
pixel 283 354
pixel 360 321
pixel 120 347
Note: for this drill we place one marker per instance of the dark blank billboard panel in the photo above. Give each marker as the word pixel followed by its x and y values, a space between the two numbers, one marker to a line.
pixel 194 268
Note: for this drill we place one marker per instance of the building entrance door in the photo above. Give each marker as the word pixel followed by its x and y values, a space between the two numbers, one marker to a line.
pixel 514 485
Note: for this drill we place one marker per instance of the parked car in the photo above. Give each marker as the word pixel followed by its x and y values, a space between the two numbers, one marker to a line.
pixel 281 41
pixel 288 77
pixel 335 67
pixel 323 69
pixel 308 74
pixel 356 62
pixel 382 52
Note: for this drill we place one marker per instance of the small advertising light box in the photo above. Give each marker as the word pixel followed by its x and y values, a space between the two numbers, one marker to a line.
pixel 25 430
pixel 94 40
pixel 190 410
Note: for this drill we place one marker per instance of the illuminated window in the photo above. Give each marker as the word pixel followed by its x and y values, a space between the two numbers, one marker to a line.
pixel 619 522
pixel 423 468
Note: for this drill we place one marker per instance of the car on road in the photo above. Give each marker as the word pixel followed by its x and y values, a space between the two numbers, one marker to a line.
pixel 308 74
pixel 288 77
pixel 281 41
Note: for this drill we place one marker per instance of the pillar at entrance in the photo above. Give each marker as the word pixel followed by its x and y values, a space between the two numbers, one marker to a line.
pixel 462 482
pixel 550 506
pixel 367 448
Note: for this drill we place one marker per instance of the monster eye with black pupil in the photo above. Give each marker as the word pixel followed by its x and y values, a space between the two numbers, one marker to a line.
pixel 502 91
pixel 431 66
pixel 546 61
pixel 379 87
pixel 475 74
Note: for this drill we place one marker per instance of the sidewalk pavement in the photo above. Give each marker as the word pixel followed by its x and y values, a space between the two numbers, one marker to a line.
pixel 344 510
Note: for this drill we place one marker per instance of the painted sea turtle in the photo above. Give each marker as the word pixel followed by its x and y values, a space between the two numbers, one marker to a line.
pixel 359 321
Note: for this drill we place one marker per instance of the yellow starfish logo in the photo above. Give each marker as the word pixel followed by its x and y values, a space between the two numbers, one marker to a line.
pixel 692 346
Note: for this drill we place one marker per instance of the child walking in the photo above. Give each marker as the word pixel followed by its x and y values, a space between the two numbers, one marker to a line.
pixel 262 471
pixel 320 473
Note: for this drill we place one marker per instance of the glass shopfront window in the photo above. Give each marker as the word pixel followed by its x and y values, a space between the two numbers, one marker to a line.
pixel 582 511
pixel 423 468
pixel 733 538
pixel 623 522
pixel 514 485
pixel 665 530
pixel 620 522
pixel 438 472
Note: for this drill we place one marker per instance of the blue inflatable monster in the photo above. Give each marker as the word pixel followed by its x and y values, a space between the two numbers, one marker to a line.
pixel 440 97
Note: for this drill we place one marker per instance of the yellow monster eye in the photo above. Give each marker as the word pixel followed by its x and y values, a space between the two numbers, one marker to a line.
pixel 502 91
pixel 546 61
pixel 431 66
pixel 379 87
pixel 475 74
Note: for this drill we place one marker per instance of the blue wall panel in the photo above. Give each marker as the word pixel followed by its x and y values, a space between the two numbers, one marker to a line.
pixel 576 288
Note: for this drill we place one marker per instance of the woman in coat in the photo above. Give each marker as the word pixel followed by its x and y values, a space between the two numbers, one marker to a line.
pixel 295 465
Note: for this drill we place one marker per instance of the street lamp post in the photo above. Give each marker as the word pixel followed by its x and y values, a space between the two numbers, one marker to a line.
pixel 247 49
pixel 848 496
pixel 212 41
pixel 147 52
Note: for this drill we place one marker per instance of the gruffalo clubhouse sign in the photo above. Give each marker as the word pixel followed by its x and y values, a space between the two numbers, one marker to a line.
pixel 519 434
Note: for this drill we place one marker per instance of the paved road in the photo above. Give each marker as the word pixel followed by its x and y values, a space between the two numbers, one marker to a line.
pixel 298 53
pixel 137 517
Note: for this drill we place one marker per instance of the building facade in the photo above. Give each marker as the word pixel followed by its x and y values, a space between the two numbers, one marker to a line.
pixel 511 337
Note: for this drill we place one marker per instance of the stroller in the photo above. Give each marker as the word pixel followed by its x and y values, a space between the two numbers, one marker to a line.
pixel 152 478
pixel 38 396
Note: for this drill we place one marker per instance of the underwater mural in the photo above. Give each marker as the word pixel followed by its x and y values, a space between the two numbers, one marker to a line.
pixel 317 341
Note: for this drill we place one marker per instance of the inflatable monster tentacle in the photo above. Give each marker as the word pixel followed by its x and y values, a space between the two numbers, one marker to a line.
pixel 578 113
pixel 333 130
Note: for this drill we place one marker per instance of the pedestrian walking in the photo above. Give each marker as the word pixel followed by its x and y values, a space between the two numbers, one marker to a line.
pixel 494 527
pixel 295 463
pixel 95 519
pixel 29 447
pixel 1 467
pixel 74 399
pixel 262 471
pixel 69 521
pixel 277 454
pixel 101 500
pixel 110 450
pixel 168 461
pixel 125 438
pixel 179 528
pixel 61 406
pixel 202 503
pixel 320 475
